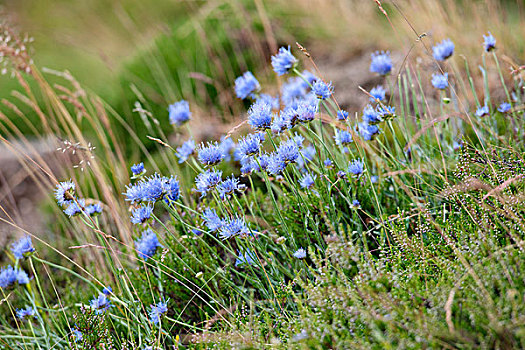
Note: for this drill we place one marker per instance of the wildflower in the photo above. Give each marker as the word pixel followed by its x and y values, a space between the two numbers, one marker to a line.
pixel 212 220
pixel 378 93
pixel 172 189
pixel 100 303
pixel 226 146
pixel 270 100
pixel 179 112
pixel 245 85
pixel 371 116
pixel 197 232
pixel 504 107
pixel 247 258
pixel 279 124
pixel 75 208
pixel 248 165
pixel 228 186
pixel 308 181
pixel 211 154
pixel 341 174
pixel 356 204
pixel 343 138
pixel 381 63
pixel 157 311
pixel 137 169
pixel 249 145
pixel 276 164
pixel 294 89
pixel 23 247
pixel 283 61
pixel 300 253
pixel 342 115
pixel 307 154
pixel 147 245
pixel 264 160
pixel 141 214
pixel 153 188
pixel 368 131
pixel 386 111
pixel 77 334
pixel 64 192
pixel 10 275
pixel 306 111
pixel 288 151
pixel 356 167
pixel 322 90
pixel 482 111
pixel 93 209
pixel 443 50
pixel 207 181
pixel 489 42
pixel 440 81
pixel 23 313
pixel 260 115
pixel 107 290
pixel 233 227
pixel 328 163
pixel 309 77
pixel 185 150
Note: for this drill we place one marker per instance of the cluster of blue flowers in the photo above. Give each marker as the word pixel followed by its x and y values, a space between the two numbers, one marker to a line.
pixel 10 275
pixel 73 206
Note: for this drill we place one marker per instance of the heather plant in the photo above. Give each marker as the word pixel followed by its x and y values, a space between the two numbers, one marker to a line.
pixel 304 227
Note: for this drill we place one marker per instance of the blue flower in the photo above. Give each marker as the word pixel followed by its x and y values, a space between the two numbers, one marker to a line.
pixel 276 165
pixel 75 208
pixel 440 81
pixel 248 165
pixel 356 167
pixel 300 253
pixel 137 169
pixel 23 313
pixel 272 101
pixel 233 227
pixel 226 145
pixel 249 145
pixel 489 42
pixel 341 174
pixel 185 150
pixel 23 247
pixel 260 115
pixel 328 163
pixel 343 138
pixel 77 334
pixel 307 154
pixel 212 220
pixel 172 189
pixel 211 154
pixel 288 151
pixel 306 111
pixel 10 275
pixel 356 204
pixel 107 290
pixel 368 131
pixel 154 188
pixel 280 123
pixel 342 115
pixel 93 209
pixel 64 193
pixel 309 77
pixel 207 180
pixel 100 303
pixel 245 85
pixel 386 111
pixel 308 181
pixel 228 187
pixel 378 93
pixel 443 50
pixel 381 63
pixel 179 112
pixel 157 311
pixel 283 61
pixel 322 90
pixel 147 245
pixel 247 258
pixel 141 214
pixel 264 160
pixel 294 89
pixel 504 107
pixel 370 116
pixel 482 111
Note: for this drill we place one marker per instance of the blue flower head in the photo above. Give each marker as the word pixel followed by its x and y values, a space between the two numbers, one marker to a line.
pixel 245 85
pixel 147 245
pixel 260 115
pixel 77 335
pixel 322 90
pixel 248 258
pixel 294 89
pixel 489 42
pixel 440 81
pixel 381 63
pixel 328 163
pixel 233 227
pixel 309 77
pixel 342 115
pixel 211 154
pixel 504 107
pixel 249 145
pixel 94 209
pixel 207 181
pixel 23 247
pixel 75 208
pixel 283 61
pixel 308 181
pixel 272 101
pixel 280 123
pixel 154 188
pixel 306 111
pixel 137 169
pixel 482 111
pixel 356 167
pixel 378 93
pixel 300 253
pixel 100 303
pixel 179 112
pixel 172 189
pixel 22 314
pixel 212 220
pixel 443 50
pixel 307 155
pixel 288 151
pixel 356 204
pixel 107 290
pixel 386 111
pixel 226 145
pixel 185 150
pixel 156 311
pixel 368 131
pixel 64 192
pixel 371 116
pixel 228 187
pixel 10 275
pixel 343 138
pixel 248 165
pixel 141 214
pixel 276 165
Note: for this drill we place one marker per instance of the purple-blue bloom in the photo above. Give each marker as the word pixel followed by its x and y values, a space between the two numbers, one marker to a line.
pixel 310 78
pixel 233 227
pixel 283 61
pixel 356 204
pixel 272 101
pixel 75 208
pixel 171 189
pixel 504 107
pixel 23 313
pixel 322 90
pixel 107 290
pixel 10 275
pixel 288 151
pixel 381 63
pixel 371 116
pixel 300 253
pixel 247 258
pixel 185 150
pixel 378 93
pixel 328 163
pixel 226 145
pixel 157 311
pixel 368 131
pixel 489 42
pixel 141 214
pixel 179 112
pixel 343 138
pixel 207 180
pixel 249 145
pixel 482 111
pixel 228 187
pixel 245 85
pixel 93 209
pixel 100 303
pixel 23 247
pixel 280 123
pixel 276 165
pixel 342 115
pixel 147 245
pixel 294 89
pixel 137 169
pixel 308 181
pixel 443 50
pixel 212 220
pixel 64 192
pixel 306 111
pixel 440 81
pixel 211 154
pixel 260 115
pixel 356 167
